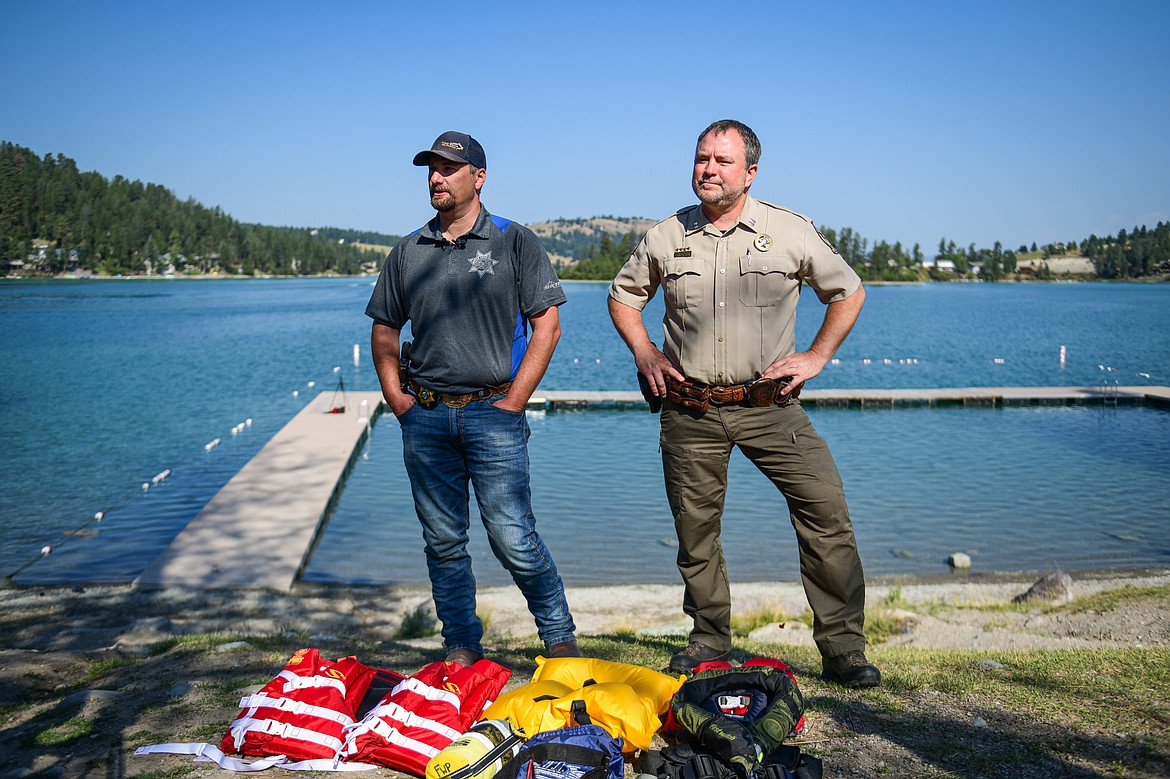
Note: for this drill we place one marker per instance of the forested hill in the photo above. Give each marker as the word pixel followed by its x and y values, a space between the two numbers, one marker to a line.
pixel 56 219
pixel 598 247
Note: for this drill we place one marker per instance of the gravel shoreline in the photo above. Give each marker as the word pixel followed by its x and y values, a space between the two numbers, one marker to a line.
pixel 132 619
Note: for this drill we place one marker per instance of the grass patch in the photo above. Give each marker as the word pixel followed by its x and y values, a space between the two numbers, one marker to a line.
pixel 742 624
pixel 1103 601
pixel 419 622
pixel 97 668
pixel 68 731
pixel 1110 600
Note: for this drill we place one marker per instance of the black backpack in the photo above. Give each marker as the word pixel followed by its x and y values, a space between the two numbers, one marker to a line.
pixel 731 724
pixel 685 761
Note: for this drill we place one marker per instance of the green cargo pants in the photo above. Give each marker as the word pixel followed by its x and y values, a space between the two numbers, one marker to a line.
pixel 782 443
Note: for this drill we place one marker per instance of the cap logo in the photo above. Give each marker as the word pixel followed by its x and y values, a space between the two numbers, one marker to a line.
pixel 452 145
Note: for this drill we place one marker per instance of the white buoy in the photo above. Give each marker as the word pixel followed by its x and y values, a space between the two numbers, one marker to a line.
pixel 248 421
pixel 337 369
pixel 98 516
pixel 145 486
pixel 1063 353
pixel 1144 375
pixel 312 384
pixel 211 445
pixel 161 476
pixel 357 355
pixel 235 431
pixel 296 394
pixel 46 549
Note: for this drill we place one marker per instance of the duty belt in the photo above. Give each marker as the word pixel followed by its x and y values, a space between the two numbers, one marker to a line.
pixel 428 398
pixel 757 393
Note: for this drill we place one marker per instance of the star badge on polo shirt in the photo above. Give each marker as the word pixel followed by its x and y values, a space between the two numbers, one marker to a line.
pixel 482 263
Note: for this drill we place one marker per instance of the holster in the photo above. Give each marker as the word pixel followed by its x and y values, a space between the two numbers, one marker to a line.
pixel 404 365
pixel 655 401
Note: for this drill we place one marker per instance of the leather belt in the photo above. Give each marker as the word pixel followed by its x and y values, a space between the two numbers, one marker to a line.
pixel 428 398
pixel 757 393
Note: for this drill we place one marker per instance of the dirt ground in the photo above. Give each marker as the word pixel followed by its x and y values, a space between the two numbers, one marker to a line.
pixel 88 674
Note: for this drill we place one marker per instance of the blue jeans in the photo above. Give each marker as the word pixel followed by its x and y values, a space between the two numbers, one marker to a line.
pixel 445 450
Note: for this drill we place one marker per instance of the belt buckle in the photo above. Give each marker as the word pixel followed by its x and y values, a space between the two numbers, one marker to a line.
pixel 457 401
pixel 761 392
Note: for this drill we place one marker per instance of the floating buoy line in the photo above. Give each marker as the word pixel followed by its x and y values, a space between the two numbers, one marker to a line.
pixel 365 415
pixel 165 474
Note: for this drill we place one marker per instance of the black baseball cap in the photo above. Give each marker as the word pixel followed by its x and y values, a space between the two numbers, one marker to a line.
pixel 457 147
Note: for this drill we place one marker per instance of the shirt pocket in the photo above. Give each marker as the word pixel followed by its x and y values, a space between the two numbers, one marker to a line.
pixel 767 280
pixel 682 278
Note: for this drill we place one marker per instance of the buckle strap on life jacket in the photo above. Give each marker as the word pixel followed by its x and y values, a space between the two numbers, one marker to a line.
pixel 294 682
pixel 241 727
pixel 391 735
pixel 430 693
pixel 410 719
pixel 580 715
pixel 293 706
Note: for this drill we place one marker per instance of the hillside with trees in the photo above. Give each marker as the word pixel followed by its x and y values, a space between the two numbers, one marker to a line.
pixel 1140 253
pixel 55 219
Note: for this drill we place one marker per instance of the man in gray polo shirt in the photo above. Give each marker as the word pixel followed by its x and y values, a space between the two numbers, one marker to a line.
pixel 481 297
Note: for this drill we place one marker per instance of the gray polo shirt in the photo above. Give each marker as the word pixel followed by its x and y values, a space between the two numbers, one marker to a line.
pixel 468 302
pixel 731 296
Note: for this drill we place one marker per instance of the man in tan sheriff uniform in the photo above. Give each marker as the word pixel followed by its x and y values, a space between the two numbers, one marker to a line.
pixel 732 268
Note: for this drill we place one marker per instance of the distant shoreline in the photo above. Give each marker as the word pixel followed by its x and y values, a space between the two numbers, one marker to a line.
pixel 225 277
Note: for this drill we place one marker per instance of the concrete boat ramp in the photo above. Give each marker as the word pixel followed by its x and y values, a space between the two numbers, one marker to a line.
pixel 260 529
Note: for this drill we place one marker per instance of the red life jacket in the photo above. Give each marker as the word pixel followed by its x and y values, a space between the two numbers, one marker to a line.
pixel 304 712
pixel 423 714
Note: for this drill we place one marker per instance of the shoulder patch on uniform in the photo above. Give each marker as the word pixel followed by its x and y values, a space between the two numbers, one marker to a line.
pixel 826 240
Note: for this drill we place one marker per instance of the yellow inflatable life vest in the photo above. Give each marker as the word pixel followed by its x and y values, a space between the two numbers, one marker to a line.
pixel 628 701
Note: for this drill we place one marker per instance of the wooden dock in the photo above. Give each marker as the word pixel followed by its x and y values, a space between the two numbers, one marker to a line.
pixel 260 529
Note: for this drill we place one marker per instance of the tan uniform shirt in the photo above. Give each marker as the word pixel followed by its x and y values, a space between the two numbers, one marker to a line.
pixel 731 297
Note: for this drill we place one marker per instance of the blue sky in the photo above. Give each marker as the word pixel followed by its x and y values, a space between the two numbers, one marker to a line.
pixel 907 121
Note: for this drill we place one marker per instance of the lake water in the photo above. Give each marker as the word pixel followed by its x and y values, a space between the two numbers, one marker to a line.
pixel 105 384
